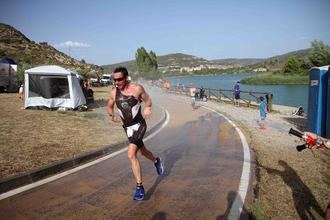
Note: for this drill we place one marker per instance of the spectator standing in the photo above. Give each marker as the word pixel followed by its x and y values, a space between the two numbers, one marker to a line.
pixel 167 85
pixel 263 113
pixel 202 94
pixel 193 96
pixel 237 92
pixel 21 91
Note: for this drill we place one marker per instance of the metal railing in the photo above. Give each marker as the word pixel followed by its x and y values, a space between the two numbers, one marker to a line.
pixel 247 98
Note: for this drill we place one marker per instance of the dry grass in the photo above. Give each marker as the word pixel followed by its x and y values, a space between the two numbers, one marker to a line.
pixel 290 184
pixel 31 139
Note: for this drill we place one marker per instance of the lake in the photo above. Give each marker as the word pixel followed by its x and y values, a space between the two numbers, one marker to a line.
pixel 289 95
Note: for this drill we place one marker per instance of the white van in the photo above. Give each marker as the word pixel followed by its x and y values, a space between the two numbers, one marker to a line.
pixel 106 79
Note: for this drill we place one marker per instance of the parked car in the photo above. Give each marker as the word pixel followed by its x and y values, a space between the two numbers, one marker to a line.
pixel 106 79
pixel 94 80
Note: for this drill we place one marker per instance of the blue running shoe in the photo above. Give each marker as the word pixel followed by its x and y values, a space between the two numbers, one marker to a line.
pixel 159 167
pixel 139 193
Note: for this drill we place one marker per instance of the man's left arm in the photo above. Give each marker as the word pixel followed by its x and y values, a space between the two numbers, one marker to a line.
pixel 147 101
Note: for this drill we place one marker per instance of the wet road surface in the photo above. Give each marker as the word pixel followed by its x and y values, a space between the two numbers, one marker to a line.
pixel 202 156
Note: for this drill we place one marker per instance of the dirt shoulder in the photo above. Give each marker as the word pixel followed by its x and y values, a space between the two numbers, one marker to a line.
pixel 289 184
pixel 31 139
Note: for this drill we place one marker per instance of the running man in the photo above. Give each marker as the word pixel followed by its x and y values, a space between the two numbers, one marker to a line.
pixel 128 98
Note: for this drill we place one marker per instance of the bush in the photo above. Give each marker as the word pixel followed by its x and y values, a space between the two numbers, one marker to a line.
pixel 256 212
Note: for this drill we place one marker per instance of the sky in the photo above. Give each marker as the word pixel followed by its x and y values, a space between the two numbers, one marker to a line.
pixel 110 31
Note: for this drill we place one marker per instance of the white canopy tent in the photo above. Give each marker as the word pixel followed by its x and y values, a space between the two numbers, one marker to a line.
pixel 52 87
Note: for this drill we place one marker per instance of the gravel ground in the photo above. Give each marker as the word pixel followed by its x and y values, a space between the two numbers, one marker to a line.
pixel 289 184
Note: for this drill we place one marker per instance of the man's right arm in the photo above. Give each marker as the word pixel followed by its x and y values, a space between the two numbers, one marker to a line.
pixel 111 104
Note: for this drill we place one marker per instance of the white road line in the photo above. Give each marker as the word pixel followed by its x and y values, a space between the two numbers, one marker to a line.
pixel 159 129
pixel 76 169
pixel 237 206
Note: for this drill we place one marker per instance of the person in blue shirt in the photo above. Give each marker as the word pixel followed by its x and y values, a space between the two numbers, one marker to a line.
pixel 263 113
pixel 237 92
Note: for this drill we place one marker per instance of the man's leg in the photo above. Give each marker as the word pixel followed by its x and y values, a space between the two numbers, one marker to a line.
pixel 262 123
pixel 139 191
pixel 156 160
pixel 132 150
pixel 145 152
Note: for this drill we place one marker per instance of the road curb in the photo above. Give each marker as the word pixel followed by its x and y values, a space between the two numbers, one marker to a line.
pixel 60 166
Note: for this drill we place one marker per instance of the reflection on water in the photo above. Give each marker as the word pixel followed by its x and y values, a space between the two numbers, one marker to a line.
pixel 289 95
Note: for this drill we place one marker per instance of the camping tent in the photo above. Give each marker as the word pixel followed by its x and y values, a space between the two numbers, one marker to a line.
pixel 52 87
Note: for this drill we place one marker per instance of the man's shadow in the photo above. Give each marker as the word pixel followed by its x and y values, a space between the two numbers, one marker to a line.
pixel 303 198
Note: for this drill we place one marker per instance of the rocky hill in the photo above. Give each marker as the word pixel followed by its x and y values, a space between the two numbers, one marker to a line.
pixel 17 46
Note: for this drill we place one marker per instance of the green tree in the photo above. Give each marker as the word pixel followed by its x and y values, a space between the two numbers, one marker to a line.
pixel 292 66
pixel 82 71
pixel 147 64
pixel 320 55
pixel 306 64
pixel 20 72
pixel 141 57
pixel 153 58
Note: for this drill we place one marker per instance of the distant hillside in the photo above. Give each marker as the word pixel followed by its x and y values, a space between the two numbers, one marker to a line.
pixel 15 45
pixel 237 61
pixel 130 65
pixel 184 60
pixel 170 60
pixel 301 54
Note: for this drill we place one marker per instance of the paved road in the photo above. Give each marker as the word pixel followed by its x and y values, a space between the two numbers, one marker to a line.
pixel 202 154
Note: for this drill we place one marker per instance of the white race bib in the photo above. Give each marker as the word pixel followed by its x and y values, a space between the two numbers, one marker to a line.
pixel 130 130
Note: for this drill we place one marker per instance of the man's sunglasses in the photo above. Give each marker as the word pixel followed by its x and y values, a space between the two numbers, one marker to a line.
pixel 119 79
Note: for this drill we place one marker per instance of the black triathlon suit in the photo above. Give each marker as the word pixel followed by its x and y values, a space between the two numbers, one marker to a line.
pixel 129 108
